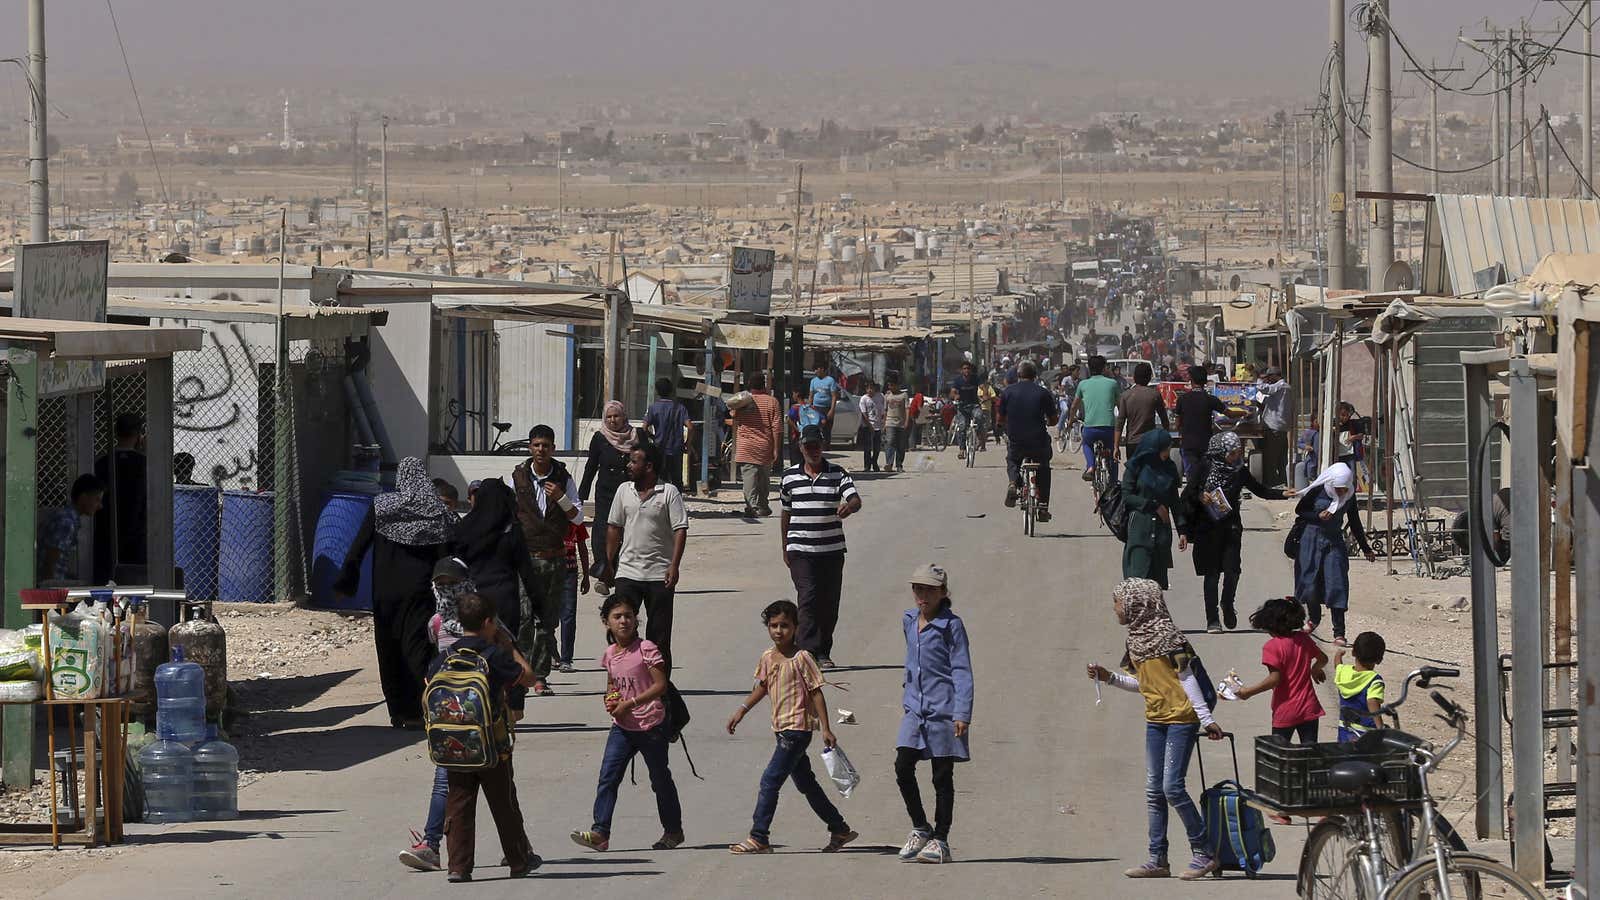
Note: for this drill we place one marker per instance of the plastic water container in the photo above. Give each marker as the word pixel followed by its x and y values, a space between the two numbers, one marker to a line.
pixel 167 770
pixel 180 700
pixel 216 779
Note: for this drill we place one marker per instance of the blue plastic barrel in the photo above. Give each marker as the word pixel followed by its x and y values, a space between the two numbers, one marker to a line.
pixel 337 527
pixel 196 536
pixel 244 563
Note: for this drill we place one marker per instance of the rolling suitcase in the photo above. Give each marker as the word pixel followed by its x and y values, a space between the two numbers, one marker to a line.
pixel 1236 834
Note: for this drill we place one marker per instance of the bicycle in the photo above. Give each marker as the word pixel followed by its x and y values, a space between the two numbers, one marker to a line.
pixel 1028 497
pixel 1382 854
pixel 1104 461
pixel 457 412
pixel 1070 437
pixel 974 439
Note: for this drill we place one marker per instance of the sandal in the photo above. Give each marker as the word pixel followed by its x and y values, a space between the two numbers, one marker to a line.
pixel 540 689
pixel 750 845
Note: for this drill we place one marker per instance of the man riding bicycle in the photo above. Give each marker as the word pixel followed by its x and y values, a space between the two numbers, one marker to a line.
pixel 964 392
pixel 1096 403
pixel 1027 410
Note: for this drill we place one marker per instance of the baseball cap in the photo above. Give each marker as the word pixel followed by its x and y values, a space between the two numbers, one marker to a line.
pixel 811 434
pixel 930 575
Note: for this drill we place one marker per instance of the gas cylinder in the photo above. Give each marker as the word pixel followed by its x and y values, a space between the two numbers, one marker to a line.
pixel 204 642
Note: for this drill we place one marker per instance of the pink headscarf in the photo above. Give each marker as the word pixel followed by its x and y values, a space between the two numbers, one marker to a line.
pixel 625 439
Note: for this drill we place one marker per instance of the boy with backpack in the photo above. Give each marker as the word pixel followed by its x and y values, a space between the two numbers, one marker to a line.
pixel 468 734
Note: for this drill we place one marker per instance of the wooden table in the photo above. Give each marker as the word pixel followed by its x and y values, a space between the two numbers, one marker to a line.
pixel 105 724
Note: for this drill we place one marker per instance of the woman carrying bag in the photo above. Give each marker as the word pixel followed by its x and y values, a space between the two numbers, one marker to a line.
pixel 1215 530
pixel 1150 492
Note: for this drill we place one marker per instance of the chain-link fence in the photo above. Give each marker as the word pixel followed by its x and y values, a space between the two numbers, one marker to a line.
pixel 240 517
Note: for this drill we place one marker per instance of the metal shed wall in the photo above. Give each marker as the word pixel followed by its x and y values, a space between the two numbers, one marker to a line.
pixel 1470 238
pixel 1439 413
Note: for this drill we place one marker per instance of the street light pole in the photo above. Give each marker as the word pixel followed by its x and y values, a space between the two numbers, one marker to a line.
pixel 384 157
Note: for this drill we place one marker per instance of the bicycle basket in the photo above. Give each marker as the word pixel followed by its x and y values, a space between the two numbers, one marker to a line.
pixel 1295 776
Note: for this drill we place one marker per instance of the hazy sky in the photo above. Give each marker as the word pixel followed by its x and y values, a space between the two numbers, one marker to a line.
pixel 459 42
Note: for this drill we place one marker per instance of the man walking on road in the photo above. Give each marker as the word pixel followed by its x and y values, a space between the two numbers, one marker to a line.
pixel 1277 417
pixel 824 397
pixel 666 421
pixel 1141 407
pixel 1028 409
pixel 757 435
pixel 817 496
pixel 644 547
pixel 547 505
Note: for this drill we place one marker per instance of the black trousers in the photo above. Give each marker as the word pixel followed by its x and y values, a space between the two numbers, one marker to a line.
pixel 1221 549
pixel 1039 453
pixel 654 599
pixel 944 791
pixel 871 446
pixel 818 579
pixel 1306 732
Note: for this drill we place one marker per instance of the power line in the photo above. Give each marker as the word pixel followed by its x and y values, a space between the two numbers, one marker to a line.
pixel 1557 138
pixel 149 141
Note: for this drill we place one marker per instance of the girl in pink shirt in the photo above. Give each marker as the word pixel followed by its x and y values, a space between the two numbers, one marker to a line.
pixel 1294 665
pixel 636 680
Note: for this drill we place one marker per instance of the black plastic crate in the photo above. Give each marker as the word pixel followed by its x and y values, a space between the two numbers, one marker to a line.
pixel 1295 776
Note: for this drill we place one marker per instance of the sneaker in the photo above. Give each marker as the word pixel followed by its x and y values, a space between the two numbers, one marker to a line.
pixel 1213 628
pixel 420 856
pixel 1011 496
pixel 961 454
pixel 1230 617
pixel 594 840
pixel 936 851
pixel 534 862
pixel 567 669
pixel 670 840
pixel 825 663
pixel 913 846
pixel 1043 514
pixel 1151 869
pixel 836 842
pixel 1200 867
pixel 1088 475
pixel 459 877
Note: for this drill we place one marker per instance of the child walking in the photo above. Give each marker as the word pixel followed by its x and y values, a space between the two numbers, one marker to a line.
pixel 479 631
pixel 791 677
pixel 938 712
pixel 1293 663
pixel 1360 686
pixel 636 680
pixel 1158 665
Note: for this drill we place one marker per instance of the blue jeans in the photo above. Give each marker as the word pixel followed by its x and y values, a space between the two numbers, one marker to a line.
pixel 569 616
pixel 1166 752
pixel 433 831
pixel 964 414
pixel 789 761
pixel 621 745
pixel 1106 434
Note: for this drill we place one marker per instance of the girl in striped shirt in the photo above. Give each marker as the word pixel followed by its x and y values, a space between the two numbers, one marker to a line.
pixel 790 676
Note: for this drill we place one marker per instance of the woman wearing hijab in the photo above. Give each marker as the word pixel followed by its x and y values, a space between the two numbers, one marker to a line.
pixel 1150 490
pixel 1158 664
pixel 1215 530
pixel 606 469
pixel 1322 569
pixel 492 545
pixel 406 532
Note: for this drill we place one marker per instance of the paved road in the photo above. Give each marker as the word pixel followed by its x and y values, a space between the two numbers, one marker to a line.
pixel 1052 804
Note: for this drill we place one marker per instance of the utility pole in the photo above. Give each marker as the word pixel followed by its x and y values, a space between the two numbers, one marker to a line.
pixel 1587 182
pixel 1297 221
pixel 799 187
pixel 1337 183
pixel 384 158
pixel 38 146
pixel 1283 190
pixel 1432 73
pixel 1380 150
pixel 355 153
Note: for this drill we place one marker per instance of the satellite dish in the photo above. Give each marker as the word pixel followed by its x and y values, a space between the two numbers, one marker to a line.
pixel 1398 276
pixel 1233 283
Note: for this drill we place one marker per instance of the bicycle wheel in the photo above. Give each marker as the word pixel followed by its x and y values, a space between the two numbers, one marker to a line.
pixel 1467 875
pixel 942 438
pixel 1075 439
pixel 1027 512
pixel 1331 865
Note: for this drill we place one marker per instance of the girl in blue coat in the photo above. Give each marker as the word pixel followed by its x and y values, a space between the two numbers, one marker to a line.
pixel 938 709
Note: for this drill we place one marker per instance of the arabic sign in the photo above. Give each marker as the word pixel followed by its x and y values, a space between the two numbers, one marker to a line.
pixel 750 279
pixel 742 337
pixel 64 280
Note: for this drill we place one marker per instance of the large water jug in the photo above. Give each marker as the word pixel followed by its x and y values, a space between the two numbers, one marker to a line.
pixel 180 700
pixel 167 769
pixel 216 779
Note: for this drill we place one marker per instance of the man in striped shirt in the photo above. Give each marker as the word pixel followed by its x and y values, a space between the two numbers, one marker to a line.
pixel 817 496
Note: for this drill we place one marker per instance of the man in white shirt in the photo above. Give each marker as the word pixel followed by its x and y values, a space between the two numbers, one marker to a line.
pixel 644 547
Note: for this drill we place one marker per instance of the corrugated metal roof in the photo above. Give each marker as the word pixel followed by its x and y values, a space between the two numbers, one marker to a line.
pixel 1477 242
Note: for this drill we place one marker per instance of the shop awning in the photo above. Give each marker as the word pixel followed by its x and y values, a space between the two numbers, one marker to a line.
pixel 97 340
pixel 858 337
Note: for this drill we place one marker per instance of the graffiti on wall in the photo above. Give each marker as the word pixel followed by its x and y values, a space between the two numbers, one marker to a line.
pixel 216 408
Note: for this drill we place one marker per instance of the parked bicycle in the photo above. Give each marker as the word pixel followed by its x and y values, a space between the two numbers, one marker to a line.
pixel 451 444
pixel 1382 837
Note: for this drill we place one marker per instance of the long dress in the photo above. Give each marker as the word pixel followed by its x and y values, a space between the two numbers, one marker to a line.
pixel 402 604
pixel 1148 551
pixel 1322 570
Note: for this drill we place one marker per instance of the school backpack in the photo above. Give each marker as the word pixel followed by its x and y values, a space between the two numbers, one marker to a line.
pixel 1236 834
pixel 465 724
pixel 1113 511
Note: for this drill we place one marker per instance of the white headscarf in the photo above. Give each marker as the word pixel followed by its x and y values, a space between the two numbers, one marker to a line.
pixel 1338 482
